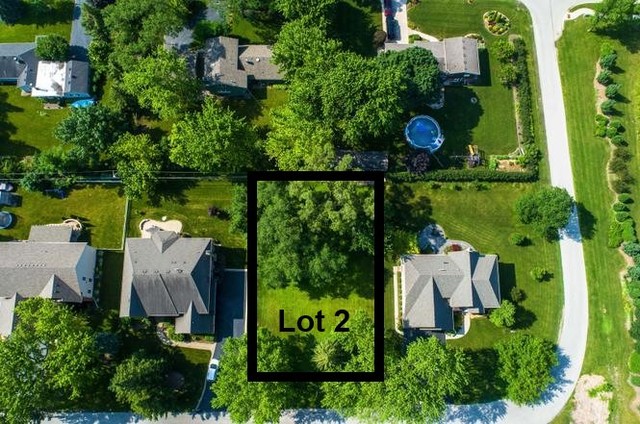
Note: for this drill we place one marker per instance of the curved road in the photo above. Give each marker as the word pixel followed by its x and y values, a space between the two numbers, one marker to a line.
pixel 548 20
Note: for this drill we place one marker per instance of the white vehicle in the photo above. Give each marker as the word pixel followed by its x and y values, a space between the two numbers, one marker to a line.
pixel 212 372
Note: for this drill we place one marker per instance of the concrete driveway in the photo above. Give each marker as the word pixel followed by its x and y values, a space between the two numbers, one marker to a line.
pixel 230 313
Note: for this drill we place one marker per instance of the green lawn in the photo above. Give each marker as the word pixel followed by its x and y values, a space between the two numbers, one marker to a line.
pixel 101 210
pixel 609 345
pixel 189 202
pixel 485 219
pixel 25 127
pixel 463 122
pixel 254 31
pixel 257 110
pixel 57 21
pixel 192 363
pixel 354 24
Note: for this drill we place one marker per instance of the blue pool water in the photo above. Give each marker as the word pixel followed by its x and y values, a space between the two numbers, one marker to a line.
pixel 423 132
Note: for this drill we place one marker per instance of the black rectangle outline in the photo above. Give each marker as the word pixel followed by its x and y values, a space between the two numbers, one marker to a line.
pixel 252 276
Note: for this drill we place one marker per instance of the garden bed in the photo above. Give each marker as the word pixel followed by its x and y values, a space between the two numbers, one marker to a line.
pixel 496 22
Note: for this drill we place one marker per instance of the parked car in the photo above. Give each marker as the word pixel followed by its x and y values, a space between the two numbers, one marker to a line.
pixel 391 28
pixel 212 372
pixel 6 187
pixel 9 199
pixel 388 11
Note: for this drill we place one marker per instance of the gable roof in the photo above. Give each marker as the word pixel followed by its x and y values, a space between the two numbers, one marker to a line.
pixel 255 59
pixel 169 276
pixel 51 233
pixel 435 284
pixel 456 55
pixel 12 63
pixel 7 316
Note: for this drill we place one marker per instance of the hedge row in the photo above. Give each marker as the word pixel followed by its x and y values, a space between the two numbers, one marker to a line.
pixel 465 175
pixel 525 106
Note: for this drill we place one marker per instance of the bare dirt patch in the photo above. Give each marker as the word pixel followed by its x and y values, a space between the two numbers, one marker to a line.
pixel 588 409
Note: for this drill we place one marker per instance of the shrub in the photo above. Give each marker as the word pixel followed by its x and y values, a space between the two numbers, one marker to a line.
pixel 517 294
pixel 601 119
pixel 634 331
pixel 503 50
pixel 626 177
pixel 379 37
pixel 608 61
pixel 504 316
pixel 625 198
pixel 171 333
pixel 607 107
pixel 632 249
pixel 518 239
pixel 540 274
pixel 612 91
pixel 634 362
pixel 617 125
pixel 633 273
pixel 601 130
pixel 620 207
pixel 52 47
pixel 633 289
pixel 617 165
pixel 623 154
pixel 611 132
pixel 509 75
pixel 620 186
pixel 606 48
pixel 622 216
pixel 604 77
pixel 614 235
pixel 412 38
pixel 465 175
pixel 618 141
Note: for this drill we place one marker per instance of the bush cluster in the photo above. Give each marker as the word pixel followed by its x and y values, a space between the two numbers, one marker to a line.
pixel 632 280
pixel 465 175
pixel 531 155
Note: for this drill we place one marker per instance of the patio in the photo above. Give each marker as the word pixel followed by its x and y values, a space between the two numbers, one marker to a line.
pixel 150 226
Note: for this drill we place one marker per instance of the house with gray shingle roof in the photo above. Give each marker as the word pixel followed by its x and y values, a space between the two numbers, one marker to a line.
pixel 230 68
pixel 458 58
pixel 168 276
pixel 434 286
pixel 47 265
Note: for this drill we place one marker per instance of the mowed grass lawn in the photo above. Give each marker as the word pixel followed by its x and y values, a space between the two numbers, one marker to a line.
pixel 56 21
pixel 609 345
pixel 489 123
pixel 25 127
pixel 257 110
pixel 99 208
pixel 189 202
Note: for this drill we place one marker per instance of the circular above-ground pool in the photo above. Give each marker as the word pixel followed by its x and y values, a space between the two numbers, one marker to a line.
pixel 6 219
pixel 423 132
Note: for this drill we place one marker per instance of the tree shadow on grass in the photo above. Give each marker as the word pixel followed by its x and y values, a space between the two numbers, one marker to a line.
pixel 354 28
pixel 171 191
pixel 485 385
pixel 403 210
pixel 587 221
pixel 485 68
pixel 34 14
pixel 507 277
pixel 524 318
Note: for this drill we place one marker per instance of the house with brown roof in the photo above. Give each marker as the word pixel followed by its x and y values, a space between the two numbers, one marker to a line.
pixel 435 286
pixel 458 58
pixel 168 276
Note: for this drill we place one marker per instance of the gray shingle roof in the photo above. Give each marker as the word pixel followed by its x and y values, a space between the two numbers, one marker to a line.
pixel 44 269
pixel 77 80
pixel 7 316
pixel 255 59
pixel 51 233
pixel 10 68
pixel 169 276
pixel 434 284
pixel 456 55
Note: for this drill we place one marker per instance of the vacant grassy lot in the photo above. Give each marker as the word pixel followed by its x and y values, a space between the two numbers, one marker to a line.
pixel 485 219
pixel 489 123
pixel 608 345
pixel 189 202
pixel 56 21
pixel 257 110
pixel 25 127
pixel 99 208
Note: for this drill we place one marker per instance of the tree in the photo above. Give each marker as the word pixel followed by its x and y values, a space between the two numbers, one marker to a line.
pixel 49 356
pixel 633 273
pixel 503 50
pixel 518 239
pixel 140 382
pixel 420 70
pixel 525 363
pixel 297 144
pixel 52 47
pixel 90 132
pixel 11 11
pixel 138 161
pixel 56 165
pixel 327 355
pixel 303 42
pixel 163 84
pixel 613 16
pixel 604 77
pixel 312 9
pixel 238 209
pixel 504 316
pixel 632 249
pixel 257 401
pixel 612 91
pixel 517 294
pixel 136 28
pixel 213 140
pixel 608 106
pixel 547 209
pixel 608 61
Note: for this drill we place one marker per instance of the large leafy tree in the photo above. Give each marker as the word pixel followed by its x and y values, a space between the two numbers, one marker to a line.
pixel 52 47
pixel 614 15
pixel 138 161
pixel 90 132
pixel 525 365
pixel 213 140
pixel 137 27
pixel 10 11
pixel 303 42
pixel 163 84
pixel 547 209
pixel 141 382
pixel 312 9
pixel 50 356
pixel 261 402
pixel 420 70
